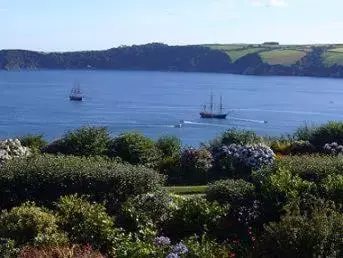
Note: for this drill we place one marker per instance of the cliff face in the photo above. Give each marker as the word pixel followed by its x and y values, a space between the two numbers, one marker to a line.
pixel 160 57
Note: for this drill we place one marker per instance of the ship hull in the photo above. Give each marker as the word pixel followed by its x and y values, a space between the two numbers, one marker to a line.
pixel 75 98
pixel 211 115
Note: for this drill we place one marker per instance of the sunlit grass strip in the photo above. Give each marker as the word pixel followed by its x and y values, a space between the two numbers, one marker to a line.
pixel 186 190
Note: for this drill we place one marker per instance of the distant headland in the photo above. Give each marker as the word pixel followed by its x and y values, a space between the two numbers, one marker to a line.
pixel 269 58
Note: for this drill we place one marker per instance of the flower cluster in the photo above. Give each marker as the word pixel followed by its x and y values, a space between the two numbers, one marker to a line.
pixel 178 250
pixel 162 241
pixel 333 148
pixel 254 156
pixel 10 149
pixel 198 158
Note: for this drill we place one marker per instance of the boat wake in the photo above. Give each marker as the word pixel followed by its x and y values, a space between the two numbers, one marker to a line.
pixel 249 120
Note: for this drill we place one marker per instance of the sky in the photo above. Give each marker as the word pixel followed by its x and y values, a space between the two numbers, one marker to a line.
pixel 68 25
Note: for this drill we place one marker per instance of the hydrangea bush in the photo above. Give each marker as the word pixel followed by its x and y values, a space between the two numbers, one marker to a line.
pixel 333 148
pixel 10 149
pixel 254 156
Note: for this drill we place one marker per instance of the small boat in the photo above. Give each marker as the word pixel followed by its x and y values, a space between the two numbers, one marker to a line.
pixel 210 113
pixel 76 93
pixel 179 125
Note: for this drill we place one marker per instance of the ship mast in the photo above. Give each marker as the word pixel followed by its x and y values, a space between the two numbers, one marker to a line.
pixel 211 104
pixel 221 104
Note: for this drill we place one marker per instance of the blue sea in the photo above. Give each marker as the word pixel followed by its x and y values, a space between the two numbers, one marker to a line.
pixel 153 102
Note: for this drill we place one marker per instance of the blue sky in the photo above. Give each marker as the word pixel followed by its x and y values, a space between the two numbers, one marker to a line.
pixel 65 25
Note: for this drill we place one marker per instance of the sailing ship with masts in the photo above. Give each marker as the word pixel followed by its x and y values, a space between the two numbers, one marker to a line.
pixel 76 93
pixel 210 113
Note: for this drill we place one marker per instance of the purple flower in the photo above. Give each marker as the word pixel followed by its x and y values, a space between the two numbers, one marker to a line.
pixel 180 249
pixel 162 241
pixel 172 255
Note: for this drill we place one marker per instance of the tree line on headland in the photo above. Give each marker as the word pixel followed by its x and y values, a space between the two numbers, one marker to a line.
pixel 263 59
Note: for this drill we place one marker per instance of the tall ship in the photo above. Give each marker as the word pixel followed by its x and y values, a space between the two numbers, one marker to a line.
pixel 76 93
pixel 211 113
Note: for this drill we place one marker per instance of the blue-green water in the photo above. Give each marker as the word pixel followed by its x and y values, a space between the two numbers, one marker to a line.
pixel 153 102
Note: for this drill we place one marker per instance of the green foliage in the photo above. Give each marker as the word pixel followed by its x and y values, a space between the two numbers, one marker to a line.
pixel 328 133
pixel 204 247
pixel 146 211
pixel 195 165
pixel 190 189
pixel 304 133
pixel 45 178
pixel 8 249
pixel 241 137
pixel 315 233
pixel 85 141
pixel 293 147
pixel 59 252
pixel 86 223
pixel 194 216
pixel 29 224
pixel 135 149
pixel 33 141
pixel 170 146
pixel 234 192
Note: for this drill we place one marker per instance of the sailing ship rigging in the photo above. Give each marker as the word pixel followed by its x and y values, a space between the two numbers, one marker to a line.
pixel 211 114
pixel 76 93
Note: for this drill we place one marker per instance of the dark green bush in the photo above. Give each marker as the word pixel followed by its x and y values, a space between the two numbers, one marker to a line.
pixel 318 232
pixel 328 133
pixel 135 149
pixel 195 165
pixel 241 137
pixel 33 141
pixel 293 147
pixel 170 146
pixel 29 224
pixel 85 141
pixel 144 210
pixel 8 248
pixel 304 133
pixel 234 192
pixel 194 216
pixel 45 178
pixel 86 223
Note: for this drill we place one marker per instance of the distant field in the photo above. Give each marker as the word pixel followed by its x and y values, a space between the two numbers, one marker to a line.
pixel 236 54
pixel 339 50
pixel 282 56
pixel 330 58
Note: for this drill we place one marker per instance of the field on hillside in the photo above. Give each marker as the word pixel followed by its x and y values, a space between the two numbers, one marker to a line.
pixel 281 54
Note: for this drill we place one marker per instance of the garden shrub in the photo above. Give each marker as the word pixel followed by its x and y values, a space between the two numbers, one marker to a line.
pixel 327 133
pixel 8 248
pixel 33 141
pixel 170 146
pixel 29 224
pixel 318 232
pixel 241 137
pixel 147 210
pixel 195 165
pixel 194 215
pixel 78 251
pixel 233 192
pixel 332 188
pixel 135 149
pixel 333 148
pixel 45 178
pixel 10 149
pixel 85 141
pixel 304 133
pixel 86 223
pixel 279 188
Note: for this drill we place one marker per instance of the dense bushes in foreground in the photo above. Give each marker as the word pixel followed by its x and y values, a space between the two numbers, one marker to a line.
pixel 265 197
pixel 44 178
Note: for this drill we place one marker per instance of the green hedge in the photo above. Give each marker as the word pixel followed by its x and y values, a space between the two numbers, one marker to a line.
pixel 45 178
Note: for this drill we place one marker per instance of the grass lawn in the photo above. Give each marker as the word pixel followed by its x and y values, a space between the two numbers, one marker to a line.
pixel 187 190
pixel 282 56
pixel 338 50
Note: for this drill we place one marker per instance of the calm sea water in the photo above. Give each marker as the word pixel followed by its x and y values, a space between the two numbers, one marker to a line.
pixel 153 102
